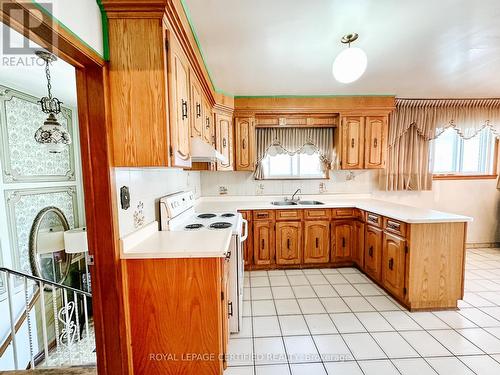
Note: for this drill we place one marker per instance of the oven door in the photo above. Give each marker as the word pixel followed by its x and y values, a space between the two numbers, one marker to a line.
pixel 236 264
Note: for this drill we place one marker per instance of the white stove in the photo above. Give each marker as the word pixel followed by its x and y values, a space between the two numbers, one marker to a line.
pixel 178 213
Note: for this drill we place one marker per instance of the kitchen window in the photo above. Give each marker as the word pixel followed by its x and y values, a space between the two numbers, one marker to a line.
pixel 453 157
pixel 296 166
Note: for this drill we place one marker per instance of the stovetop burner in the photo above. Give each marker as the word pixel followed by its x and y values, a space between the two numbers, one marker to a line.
pixel 193 226
pixel 220 225
pixel 228 215
pixel 206 216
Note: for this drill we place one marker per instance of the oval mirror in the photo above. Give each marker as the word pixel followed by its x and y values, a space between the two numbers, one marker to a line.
pixel 48 259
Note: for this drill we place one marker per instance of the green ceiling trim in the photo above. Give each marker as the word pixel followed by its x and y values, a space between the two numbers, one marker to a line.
pixel 191 25
pixel 105 30
pixel 312 96
pixel 63 26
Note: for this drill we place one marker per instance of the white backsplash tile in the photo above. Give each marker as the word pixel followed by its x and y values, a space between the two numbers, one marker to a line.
pixel 147 185
pixel 243 183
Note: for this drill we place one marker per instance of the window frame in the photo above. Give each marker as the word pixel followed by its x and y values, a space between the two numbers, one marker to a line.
pixel 472 176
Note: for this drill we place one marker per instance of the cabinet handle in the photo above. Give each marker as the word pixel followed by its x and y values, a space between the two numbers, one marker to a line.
pixel 370 251
pixel 343 241
pixel 184 109
pixel 262 215
pixel 375 142
pixel 230 309
pixel 263 244
pixel 228 255
pixel 352 142
pixel 224 142
pixel 288 243
pixel 198 110
pixel 317 242
pixel 243 144
pixel 393 226
pixel 208 122
pixel 373 219
pixel 391 263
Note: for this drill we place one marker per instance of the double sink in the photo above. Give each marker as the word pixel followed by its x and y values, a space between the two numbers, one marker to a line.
pixel 295 203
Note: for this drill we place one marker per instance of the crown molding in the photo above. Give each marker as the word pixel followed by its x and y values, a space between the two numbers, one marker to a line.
pixel 134 9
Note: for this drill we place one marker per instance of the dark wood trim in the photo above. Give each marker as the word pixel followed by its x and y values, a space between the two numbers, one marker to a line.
pixel 111 318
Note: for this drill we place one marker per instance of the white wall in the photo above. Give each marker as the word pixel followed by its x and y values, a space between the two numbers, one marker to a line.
pixel 476 198
pixel 147 185
pixel 82 17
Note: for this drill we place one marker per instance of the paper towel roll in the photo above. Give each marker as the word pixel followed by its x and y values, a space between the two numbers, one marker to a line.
pixel 75 240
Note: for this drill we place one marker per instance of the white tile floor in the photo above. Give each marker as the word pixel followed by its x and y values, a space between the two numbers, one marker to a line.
pixel 336 321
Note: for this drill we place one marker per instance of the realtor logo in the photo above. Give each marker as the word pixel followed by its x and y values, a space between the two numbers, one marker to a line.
pixel 34 17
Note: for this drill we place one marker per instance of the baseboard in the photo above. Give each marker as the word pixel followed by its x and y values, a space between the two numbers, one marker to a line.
pixel 484 245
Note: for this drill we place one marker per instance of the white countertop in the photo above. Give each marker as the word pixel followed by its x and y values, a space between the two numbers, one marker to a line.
pixel 408 214
pixel 149 243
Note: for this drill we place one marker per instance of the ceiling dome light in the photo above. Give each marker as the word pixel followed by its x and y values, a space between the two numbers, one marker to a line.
pixel 350 64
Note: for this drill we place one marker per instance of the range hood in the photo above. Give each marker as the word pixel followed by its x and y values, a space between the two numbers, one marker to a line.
pixel 203 152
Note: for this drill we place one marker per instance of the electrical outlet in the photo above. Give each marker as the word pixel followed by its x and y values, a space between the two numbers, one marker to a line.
pixel 124 197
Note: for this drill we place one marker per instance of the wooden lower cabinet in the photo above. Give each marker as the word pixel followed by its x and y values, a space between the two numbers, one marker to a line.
pixel 343 238
pixel 317 241
pixel 394 264
pixel 373 251
pixel 160 306
pixel 263 243
pixel 288 242
pixel 358 249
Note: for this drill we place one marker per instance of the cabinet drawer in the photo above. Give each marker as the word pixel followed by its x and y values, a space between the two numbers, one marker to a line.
pixel 263 215
pixel 341 213
pixel 395 226
pixel 374 219
pixel 320 213
pixel 288 215
pixel 247 215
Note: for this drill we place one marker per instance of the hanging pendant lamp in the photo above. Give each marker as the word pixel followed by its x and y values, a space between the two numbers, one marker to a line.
pixel 350 64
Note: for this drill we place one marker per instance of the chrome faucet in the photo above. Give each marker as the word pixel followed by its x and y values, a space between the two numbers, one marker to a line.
pixel 292 199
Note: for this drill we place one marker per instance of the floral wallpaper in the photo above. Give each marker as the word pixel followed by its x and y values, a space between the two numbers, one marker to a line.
pixel 24 205
pixel 24 159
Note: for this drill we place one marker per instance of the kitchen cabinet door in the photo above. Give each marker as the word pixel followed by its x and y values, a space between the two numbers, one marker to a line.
pixel 288 242
pixel 343 237
pixel 263 243
pixel 317 241
pixel 224 141
pixel 352 142
pixel 196 108
pixel 179 94
pixel 208 123
pixel 373 251
pixel 358 249
pixel 393 264
pixel 376 129
pixel 245 144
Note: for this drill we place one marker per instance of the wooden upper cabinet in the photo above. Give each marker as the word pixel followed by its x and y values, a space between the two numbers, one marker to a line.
pixel 137 93
pixel 180 147
pixel 317 241
pixel 343 238
pixel 245 144
pixel 208 122
pixel 196 108
pixel 224 140
pixel 353 142
pixel 393 264
pixel 263 242
pixel 375 141
pixel 288 242
pixel 373 251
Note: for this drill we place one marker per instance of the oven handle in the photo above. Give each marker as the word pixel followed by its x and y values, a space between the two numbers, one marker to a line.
pixel 244 237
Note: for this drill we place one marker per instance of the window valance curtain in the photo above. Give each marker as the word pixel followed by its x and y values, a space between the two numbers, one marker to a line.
pixel 275 141
pixel 415 122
